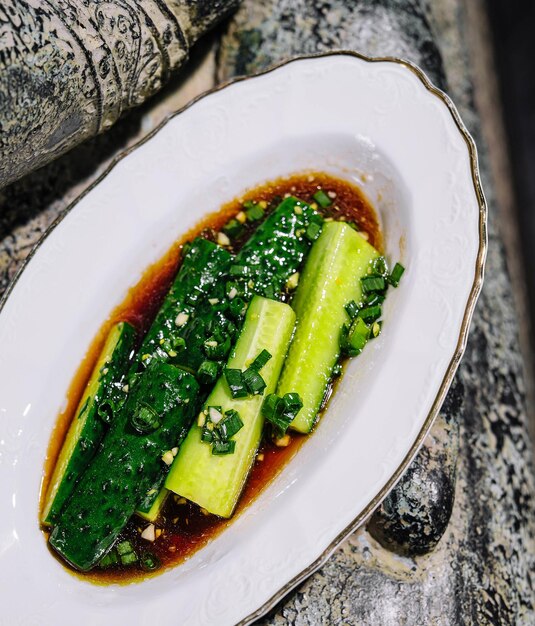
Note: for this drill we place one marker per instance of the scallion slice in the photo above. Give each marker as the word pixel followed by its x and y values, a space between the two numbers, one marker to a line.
pixel 352 308
pixel 313 231
pixel 236 383
pixel 207 372
pixel 233 228
pixel 223 447
pixel 370 314
pixel 145 419
pixel 373 283
pixel 230 424
pixel 253 381
pixel 260 360
pixel 149 562
pixel 253 210
pixel 322 199
pixel 396 274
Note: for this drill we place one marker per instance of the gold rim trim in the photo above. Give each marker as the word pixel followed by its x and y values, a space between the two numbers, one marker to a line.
pixel 465 325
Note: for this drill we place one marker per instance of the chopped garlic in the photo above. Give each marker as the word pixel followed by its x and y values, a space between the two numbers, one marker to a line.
pixel 105 370
pixel 222 239
pixel 159 531
pixel 293 281
pixel 260 457
pixel 205 511
pixel 149 533
pixel 181 319
pixel 213 301
pixel 282 442
pixel 174 451
pixel 263 204
pixel 126 388
pixel 167 457
pixel 232 293
pixel 314 205
pixel 172 354
pixel 363 234
pixel 211 344
pixel 241 217
pixel 250 284
pixel 310 179
pixel 215 415
pixel 298 210
pixel 331 194
pixel 201 420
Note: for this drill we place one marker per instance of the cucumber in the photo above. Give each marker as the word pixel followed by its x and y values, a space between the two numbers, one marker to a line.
pixel 152 513
pixel 154 420
pixel 104 392
pixel 331 278
pixel 200 275
pixel 278 247
pixel 215 482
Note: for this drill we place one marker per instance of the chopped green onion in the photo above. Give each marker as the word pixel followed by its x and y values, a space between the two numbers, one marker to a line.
pixel 253 381
pixel 145 419
pixel 260 360
pixel 358 335
pixel 207 435
pixel 215 349
pixel 253 210
pixel 125 547
pixel 269 292
pixel 280 412
pixel 230 424
pixel 352 308
pixel 223 447
pixel 396 274
pixel 129 559
pixel 110 559
pixel 380 266
pixel 313 231
pixel 370 313
pixel 322 199
pixel 236 383
pixel 207 372
pixel 373 298
pixel 239 270
pixel 233 228
pixel 150 562
pixel 237 307
pixel 373 283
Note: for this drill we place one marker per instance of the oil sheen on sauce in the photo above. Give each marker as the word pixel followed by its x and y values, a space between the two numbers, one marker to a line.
pixel 184 526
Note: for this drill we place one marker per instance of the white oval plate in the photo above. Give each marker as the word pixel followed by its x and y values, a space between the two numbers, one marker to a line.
pixel 380 124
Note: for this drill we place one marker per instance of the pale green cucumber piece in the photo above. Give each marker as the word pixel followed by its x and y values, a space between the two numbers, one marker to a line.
pixel 154 512
pixel 88 427
pixel 215 482
pixel 331 278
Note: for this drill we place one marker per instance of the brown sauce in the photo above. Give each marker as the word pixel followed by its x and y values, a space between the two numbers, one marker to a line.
pixel 185 528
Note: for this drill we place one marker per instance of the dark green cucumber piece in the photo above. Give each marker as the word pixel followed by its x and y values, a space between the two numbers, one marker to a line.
pixel 153 421
pixel 331 279
pixel 277 248
pixel 102 398
pixel 215 482
pixel 200 274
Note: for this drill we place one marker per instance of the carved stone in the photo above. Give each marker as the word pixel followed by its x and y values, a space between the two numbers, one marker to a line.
pixel 70 68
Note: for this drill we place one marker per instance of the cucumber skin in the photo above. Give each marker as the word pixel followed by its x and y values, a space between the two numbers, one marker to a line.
pixel 215 482
pixel 279 246
pixel 125 467
pixel 109 389
pixel 338 260
pixel 200 274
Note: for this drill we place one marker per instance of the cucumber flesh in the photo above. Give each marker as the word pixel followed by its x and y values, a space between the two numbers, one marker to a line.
pixel 153 513
pixel 104 389
pixel 331 278
pixel 215 482
pixel 126 465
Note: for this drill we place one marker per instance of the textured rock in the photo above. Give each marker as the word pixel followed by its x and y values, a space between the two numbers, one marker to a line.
pixel 69 68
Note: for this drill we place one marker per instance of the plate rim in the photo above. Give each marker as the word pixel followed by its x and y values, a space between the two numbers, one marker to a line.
pixel 473 296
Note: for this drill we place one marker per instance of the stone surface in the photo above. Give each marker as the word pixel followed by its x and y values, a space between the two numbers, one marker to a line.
pixel 68 69
pixel 481 570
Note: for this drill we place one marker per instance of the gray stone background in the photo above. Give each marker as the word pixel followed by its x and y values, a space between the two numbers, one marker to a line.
pixel 482 569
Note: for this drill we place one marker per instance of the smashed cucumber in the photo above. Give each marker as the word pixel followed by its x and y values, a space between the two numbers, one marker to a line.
pixel 278 247
pixel 331 278
pixel 203 265
pixel 102 394
pixel 153 421
pixel 215 482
